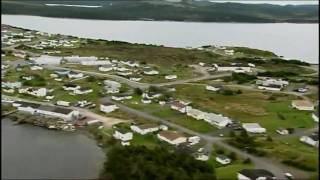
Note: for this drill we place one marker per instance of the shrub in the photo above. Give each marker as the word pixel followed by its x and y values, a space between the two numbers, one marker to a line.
pixel 247 161
pixel 280 116
pixel 238 91
pixel 138 91
pixel 241 78
pixel 269 138
pixel 227 92
pixel 233 156
pixel 290 130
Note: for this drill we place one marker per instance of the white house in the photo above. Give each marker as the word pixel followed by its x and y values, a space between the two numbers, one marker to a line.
pixel 315 116
pixel 195 113
pixel 312 140
pixel 127 73
pixel 282 131
pixel 151 95
pixel 177 105
pixel 218 120
pixel 146 101
pixel 223 159
pixel 70 87
pixel 41 92
pixel 229 52
pixel 111 89
pixel 83 90
pixel 75 75
pixel 77 59
pixel 130 63
pixel 302 105
pixel 194 139
pixel 123 135
pixel 95 63
pixel 270 87
pixel 213 88
pixel 145 128
pixel 266 83
pixel 234 67
pixel 28 78
pixel 34 68
pixel 108 107
pixel 150 72
pixel 169 77
pixel 113 84
pixel 121 69
pixel 201 64
pixel 66 114
pixel 255 174
pixel 201 157
pixel 63 103
pixel 135 78
pixel 121 97
pixel 105 68
pixel 11 85
pixel 172 137
pixel 253 128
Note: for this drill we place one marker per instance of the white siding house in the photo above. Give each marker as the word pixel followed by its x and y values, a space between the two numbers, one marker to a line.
pixel 302 105
pixel 108 107
pixel 253 128
pixel 145 128
pixel 172 137
pixel 122 135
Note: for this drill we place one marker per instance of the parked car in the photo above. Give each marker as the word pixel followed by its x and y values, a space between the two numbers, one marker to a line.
pixel 288 176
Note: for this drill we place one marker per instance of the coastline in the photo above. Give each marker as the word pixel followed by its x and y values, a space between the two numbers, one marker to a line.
pixel 153 20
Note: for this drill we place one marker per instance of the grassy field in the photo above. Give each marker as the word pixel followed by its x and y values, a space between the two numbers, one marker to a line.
pixel 292 149
pixel 171 115
pixel 149 54
pixel 250 106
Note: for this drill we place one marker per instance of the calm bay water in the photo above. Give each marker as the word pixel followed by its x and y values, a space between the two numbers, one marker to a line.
pixel 296 41
pixel 30 152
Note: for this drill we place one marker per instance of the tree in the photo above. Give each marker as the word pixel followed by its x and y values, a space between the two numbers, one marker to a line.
pixel 232 134
pixel 227 92
pixel 269 138
pixel 139 162
pixel 233 156
pixel 91 79
pixel 238 91
pixel 290 130
pixel 138 91
pixel 247 161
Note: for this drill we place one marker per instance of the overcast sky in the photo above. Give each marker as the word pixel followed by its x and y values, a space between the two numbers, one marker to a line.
pixel 279 2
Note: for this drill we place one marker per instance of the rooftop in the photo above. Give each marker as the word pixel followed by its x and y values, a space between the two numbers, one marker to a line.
pixel 147 126
pixel 171 135
pixel 251 125
pixel 256 173
pixel 303 103
pixel 27 104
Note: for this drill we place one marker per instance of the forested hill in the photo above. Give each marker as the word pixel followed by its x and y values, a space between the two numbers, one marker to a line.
pixel 186 10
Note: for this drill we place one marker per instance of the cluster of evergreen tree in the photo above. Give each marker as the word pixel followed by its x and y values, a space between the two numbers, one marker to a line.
pixel 139 162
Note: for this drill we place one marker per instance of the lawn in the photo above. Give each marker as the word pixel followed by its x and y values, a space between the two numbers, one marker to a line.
pixel 148 140
pixel 250 106
pixel 292 149
pixel 171 115
pixel 226 172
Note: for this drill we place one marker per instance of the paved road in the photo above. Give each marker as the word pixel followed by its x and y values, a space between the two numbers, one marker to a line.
pixel 277 168
pixel 135 84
